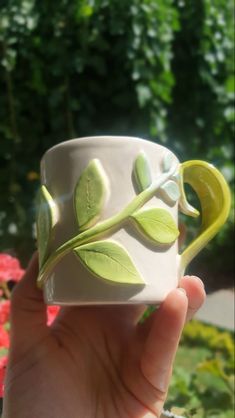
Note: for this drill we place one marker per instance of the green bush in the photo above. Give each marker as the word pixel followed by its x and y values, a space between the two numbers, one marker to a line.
pixel 203 381
pixel 160 69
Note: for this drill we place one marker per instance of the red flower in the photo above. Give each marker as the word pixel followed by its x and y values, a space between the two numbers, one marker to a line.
pixel 3 363
pixel 10 268
pixel 52 312
pixel 4 311
pixel 4 338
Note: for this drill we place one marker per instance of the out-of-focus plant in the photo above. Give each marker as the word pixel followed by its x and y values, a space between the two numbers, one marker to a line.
pixel 158 69
pixel 203 379
pixel 73 68
pixel 201 116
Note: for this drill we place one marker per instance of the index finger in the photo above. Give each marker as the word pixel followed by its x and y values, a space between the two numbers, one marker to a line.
pixel 196 294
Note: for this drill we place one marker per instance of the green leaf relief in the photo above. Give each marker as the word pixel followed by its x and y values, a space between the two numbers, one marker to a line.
pixel 90 194
pixel 47 217
pixel 110 261
pixel 142 172
pixel 168 161
pixel 170 191
pixel 157 225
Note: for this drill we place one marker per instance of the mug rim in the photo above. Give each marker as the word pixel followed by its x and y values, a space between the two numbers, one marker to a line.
pixel 114 138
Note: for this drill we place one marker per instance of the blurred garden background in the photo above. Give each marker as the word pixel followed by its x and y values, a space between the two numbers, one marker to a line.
pixel 158 69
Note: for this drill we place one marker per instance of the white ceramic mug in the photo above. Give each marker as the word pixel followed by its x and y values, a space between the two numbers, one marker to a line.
pixel 107 219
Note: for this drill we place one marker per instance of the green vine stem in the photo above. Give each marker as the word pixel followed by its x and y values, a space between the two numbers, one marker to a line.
pixel 101 228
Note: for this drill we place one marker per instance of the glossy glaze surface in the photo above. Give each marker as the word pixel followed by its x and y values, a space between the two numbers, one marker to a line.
pixel 115 235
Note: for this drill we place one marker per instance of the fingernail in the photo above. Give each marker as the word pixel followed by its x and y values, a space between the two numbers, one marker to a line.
pixel 181 290
pixel 196 278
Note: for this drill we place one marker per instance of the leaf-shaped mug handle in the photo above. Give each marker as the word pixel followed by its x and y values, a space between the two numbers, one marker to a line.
pixel 215 199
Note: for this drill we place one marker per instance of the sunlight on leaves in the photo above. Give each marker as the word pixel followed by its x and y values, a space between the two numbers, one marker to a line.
pixel 142 172
pixel 90 194
pixel 47 216
pixel 110 261
pixel 157 225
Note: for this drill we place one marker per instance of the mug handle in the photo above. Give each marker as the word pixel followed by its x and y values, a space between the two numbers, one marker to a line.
pixel 215 199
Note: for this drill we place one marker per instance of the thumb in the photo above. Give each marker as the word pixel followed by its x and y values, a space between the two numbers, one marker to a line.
pixel 166 325
pixel 28 311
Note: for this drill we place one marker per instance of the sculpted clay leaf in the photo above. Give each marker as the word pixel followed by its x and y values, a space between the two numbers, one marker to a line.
pixel 47 216
pixel 156 224
pixel 110 261
pixel 170 191
pixel 168 161
pixel 142 172
pixel 90 194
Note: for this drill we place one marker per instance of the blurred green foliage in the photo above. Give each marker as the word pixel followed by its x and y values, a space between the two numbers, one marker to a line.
pixel 160 69
pixel 203 380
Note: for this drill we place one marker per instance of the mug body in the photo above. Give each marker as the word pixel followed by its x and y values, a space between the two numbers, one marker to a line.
pixel 117 159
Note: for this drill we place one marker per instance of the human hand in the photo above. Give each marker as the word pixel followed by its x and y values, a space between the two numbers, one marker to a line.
pixel 93 362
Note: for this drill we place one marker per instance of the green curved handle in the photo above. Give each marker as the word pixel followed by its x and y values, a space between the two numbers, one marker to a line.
pixel 214 195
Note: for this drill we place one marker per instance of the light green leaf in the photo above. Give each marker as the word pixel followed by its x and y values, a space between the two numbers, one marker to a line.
pixel 170 191
pixel 144 94
pixel 90 194
pixel 110 261
pixel 168 161
pixel 3 352
pixel 156 224
pixel 142 172
pixel 47 217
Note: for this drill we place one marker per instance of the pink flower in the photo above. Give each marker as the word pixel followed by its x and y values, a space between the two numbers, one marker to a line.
pixel 10 268
pixel 4 338
pixel 4 311
pixel 52 312
pixel 3 363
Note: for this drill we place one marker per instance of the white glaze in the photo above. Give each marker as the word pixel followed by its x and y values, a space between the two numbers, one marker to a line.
pixel 70 282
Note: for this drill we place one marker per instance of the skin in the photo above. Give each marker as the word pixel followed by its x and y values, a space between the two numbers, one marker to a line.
pixel 93 362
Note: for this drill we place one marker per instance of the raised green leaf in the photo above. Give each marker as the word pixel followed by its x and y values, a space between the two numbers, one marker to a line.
pixel 110 261
pixel 156 224
pixel 142 172
pixel 170 191
pixel 47 215
pixel 168 161
pixel 90 194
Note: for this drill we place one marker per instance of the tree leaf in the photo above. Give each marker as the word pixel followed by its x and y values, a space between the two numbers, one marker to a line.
pixel 90 194
pixel 167 162
pixel 156 224
pixel 47 216
pixel 110 261
pixel 170 191
pixel 142 172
